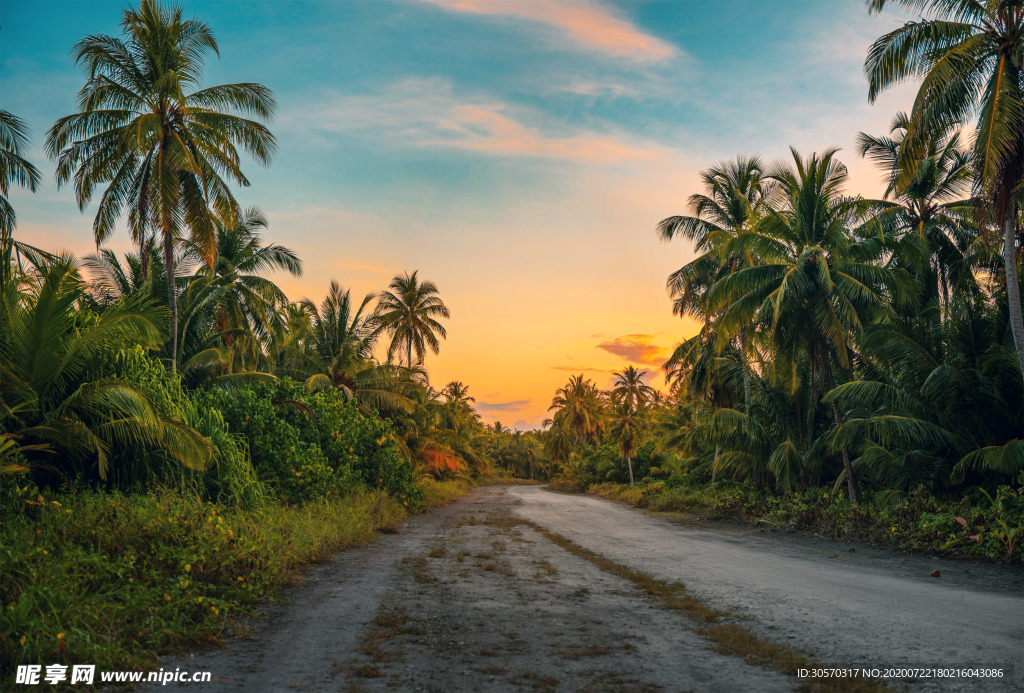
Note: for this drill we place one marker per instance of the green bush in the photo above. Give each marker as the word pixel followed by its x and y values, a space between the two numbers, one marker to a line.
pixel 312 445
pixel 230 479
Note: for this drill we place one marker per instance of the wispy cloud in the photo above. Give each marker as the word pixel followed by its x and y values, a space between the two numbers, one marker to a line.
pixel 425 113
pixel 600 89
pixel 515 405
pixel 635 348
pixel 586 23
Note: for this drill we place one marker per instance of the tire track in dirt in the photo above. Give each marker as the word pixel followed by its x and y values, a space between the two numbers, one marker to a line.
pixel 458 600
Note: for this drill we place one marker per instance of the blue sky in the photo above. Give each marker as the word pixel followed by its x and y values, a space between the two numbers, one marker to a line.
pixel 516 152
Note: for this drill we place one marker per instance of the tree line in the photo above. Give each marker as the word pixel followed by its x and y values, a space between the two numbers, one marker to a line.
pixel 110 366
pixel 844 341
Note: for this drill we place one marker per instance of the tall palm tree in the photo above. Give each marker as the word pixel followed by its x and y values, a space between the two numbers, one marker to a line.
pixel 630 389
pixel 163 151
pixel 408 313
pixel 251 301
pixel 815 284
pixel 579 409
pixel 971 58
pixel 625 429
pixel 733 197
pixel 13 167
pixel 930 222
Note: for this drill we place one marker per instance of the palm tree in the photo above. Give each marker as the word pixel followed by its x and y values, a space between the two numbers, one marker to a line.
pixel 971 59
pixel 626 430
pixel 734 194
pixel 13 168
pixel 162 150
pixel 408 312
pixel 932 226
pixel 54 393
pixel 250 303
pixel 630 389
pixel 457 392
pixel 338 352
pixel 815 284
pixel 579 409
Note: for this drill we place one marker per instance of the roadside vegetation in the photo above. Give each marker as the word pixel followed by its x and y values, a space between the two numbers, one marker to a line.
pixel 178 440
pixel 858 365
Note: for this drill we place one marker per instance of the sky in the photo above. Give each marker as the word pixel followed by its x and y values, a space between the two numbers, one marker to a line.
pixel 518 153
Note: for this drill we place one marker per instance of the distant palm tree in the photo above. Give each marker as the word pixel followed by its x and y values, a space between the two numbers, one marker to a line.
pixel 13 168
pixel 625 429
pixel 162 151
pixel 630 389
pixel 579 409
pixel 407 312
pixel 250 302
pixel 971 59
pixel 457 392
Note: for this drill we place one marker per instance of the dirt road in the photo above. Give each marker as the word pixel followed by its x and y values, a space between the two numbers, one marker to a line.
pixel 470 598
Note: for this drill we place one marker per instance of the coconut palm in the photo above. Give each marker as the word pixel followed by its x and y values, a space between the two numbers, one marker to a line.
pixel 815 284
pixel 630 389
pixel 408 313
pixel 13 167
pixel 925 213
pixel 249 305
pixel 579 409
pixel 970 56
pixel 733 197
pixel 338 352
pixel 625 430
pixel 457 392
pixel 164 148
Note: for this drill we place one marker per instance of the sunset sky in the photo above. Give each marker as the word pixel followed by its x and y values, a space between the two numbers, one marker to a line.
pixel 516 152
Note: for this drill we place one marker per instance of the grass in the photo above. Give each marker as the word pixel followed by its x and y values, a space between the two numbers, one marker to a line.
pixel 115 580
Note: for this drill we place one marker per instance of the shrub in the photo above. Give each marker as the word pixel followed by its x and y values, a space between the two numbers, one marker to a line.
pixel 230 479
pixel 312 445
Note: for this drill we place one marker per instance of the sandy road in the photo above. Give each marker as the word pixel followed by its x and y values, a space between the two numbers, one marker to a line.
pixel 862 608
pixel 459 600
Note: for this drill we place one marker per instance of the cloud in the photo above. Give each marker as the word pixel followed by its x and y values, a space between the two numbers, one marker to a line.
pixel 425 113
pixel 515 405
pixel 614 90
pixel 635 348
pixel 587 23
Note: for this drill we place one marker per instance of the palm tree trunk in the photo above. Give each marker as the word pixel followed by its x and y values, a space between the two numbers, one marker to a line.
pixel 714 468
pixel 172 295
pixel 1013 282
pixel 746 371
pixel 629 463
pixel 847 466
